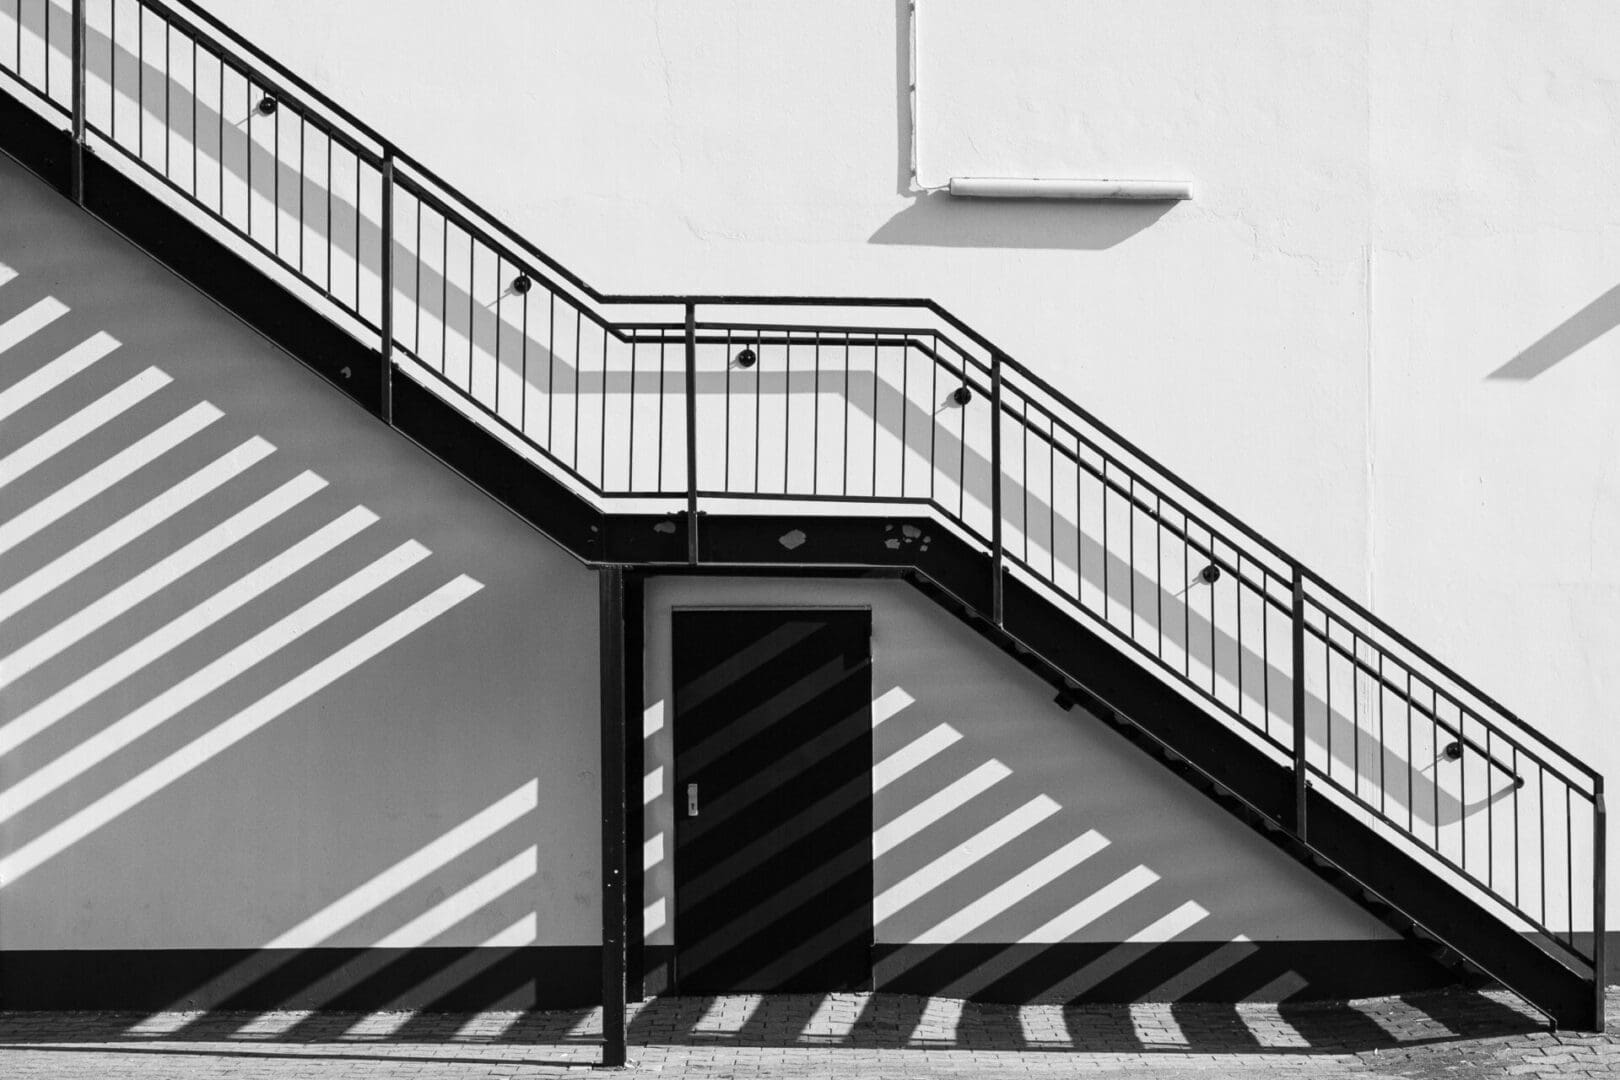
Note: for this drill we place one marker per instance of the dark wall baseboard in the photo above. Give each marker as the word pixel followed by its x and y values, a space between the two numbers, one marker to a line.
pixel 570 976
pixel 1113 973
pixel 443 980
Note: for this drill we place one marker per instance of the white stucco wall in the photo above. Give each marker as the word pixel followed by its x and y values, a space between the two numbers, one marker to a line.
pixel 209 741
pixel 1379 333
pixel 1158 846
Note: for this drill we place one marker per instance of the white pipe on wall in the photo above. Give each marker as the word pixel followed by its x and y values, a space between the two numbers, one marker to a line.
pixel 979 187
pixel 1016 188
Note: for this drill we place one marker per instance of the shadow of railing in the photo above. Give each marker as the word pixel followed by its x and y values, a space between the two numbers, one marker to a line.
pixel 849 1021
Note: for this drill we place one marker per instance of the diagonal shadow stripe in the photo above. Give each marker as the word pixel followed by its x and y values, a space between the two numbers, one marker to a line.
pixel 1565 340
pixel 186 692
pixel 1438 812
pixel 703 685
pixel 164 572
pixel 138 522
pixel 804 741
pixel 741 724
pixel 29 856
pixel 751 856
pixel 834 874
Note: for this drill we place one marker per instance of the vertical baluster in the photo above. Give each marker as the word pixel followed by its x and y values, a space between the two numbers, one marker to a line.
pixel 1080 528
pixel 579 386
pixel 844 474
pixel 1411 796
pixel 877 367
pixel 331 237
pixel 1213 684
pixel 1158 557
pixel 1434 747
pixel 523 379
pixel 416 297
pixel 1107 598
pixel 815 417
pixel 787 405
pixel 386 319
pixel 444 294
pixel 1327 692
pixel 933 415
pixel 601 434
pixel 691 435
pixel 1265 646
pixel 1541 839
pixel 500 297
pixel 1355 710
pixel 1517 874
pixel 303 140
pixel 1569 866
pixel 905 408
pixel 551 376
pixel 1490 817
pixel 662 352
pixel 630 448
pixel 195 155
pixel 1051 498
pixel 1237 604
pixel 759 378
pixel 725 445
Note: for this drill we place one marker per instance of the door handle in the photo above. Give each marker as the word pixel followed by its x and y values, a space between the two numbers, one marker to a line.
pixel 691 800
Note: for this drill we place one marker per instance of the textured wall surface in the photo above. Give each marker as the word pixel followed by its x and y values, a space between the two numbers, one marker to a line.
pixel 1380 333
pixel 968 744
pixel 284 680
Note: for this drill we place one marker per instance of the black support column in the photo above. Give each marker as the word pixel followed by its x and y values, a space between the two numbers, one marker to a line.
pixel 614 819
pixel 635 768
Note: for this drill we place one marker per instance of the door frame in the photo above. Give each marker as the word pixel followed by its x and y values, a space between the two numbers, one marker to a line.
pixel 673 793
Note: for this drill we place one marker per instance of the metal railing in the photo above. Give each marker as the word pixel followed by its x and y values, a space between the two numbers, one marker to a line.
pixel 882 403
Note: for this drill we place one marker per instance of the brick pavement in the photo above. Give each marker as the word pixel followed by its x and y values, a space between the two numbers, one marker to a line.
pixel 1454 1034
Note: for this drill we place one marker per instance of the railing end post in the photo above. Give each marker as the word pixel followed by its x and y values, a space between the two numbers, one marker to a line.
pixel 1298 650
pixel 997 577
pixel 1600 901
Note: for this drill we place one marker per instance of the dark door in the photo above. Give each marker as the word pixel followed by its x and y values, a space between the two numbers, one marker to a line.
pixel 773 747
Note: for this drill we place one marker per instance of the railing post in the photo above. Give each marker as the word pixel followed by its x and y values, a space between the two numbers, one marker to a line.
pixel 997 600
pixel 691 435
pixel 386 404
pixel 76 164
pixel 1600 898
pixel 615 862
pixel 1298 628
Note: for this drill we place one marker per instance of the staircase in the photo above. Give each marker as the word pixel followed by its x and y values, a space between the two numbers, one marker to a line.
pixel 830 435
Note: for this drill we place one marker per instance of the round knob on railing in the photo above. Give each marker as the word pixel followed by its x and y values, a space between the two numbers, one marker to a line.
pixel 1454 750
pixel 1210 574
pixel 267 104
pixel 521 285
pixel 746 358
pixel 962 395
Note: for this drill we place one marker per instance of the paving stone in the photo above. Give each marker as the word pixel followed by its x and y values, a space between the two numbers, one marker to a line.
pixel 1454 1034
